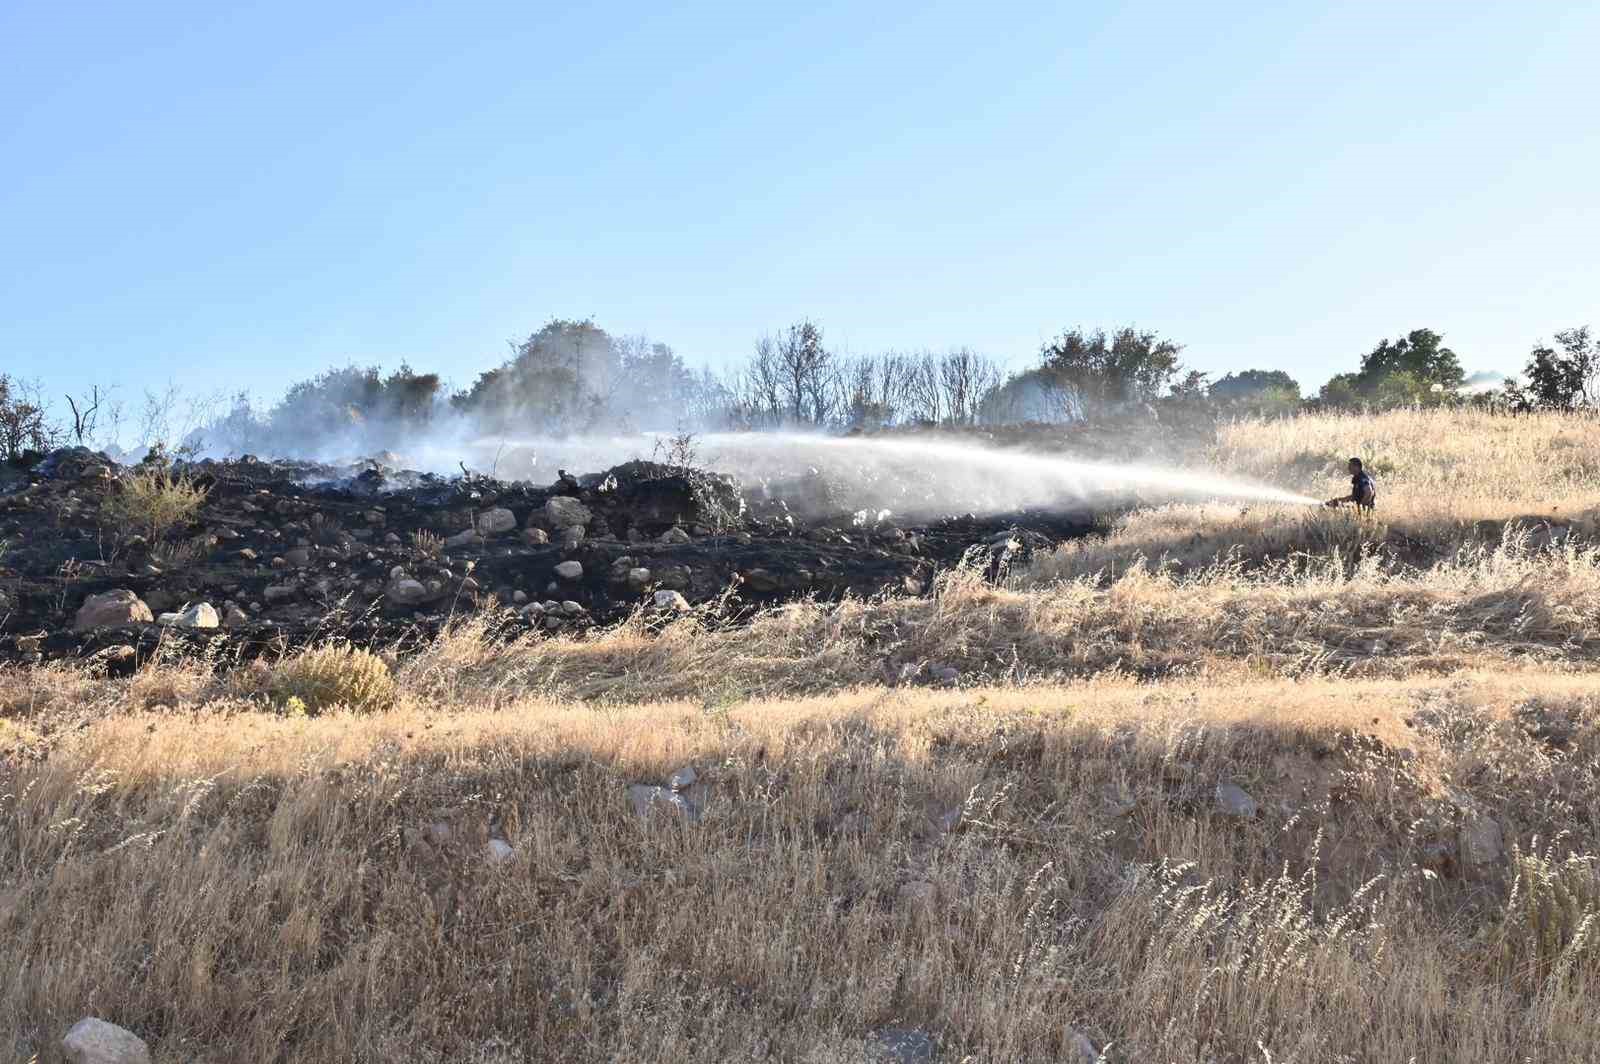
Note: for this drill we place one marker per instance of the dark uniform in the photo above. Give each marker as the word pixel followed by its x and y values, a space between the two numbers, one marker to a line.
pixel 1363 491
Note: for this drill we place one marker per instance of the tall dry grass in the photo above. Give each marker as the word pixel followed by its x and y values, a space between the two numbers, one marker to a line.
pixel 1033 856
pixel 1448 481
pixel 235 885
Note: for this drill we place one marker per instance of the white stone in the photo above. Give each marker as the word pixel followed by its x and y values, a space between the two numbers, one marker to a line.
pixel 671 600
pixel 569 570
pixel 646 799
pixel 200 615
pixel 1234 801
pixel 93 1041
pixel 500 851
pixel 682 778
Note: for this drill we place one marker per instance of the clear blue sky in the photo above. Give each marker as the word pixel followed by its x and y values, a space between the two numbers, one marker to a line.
pixel 233 195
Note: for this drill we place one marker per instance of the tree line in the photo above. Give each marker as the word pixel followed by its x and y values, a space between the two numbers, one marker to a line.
pixel 571 377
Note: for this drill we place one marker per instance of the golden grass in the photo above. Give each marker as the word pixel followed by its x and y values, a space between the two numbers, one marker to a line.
pixel 236 885
pixel 1448 481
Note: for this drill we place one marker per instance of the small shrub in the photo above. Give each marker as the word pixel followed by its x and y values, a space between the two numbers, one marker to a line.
pixel 336 674
pixel 153 501
pixel 427 545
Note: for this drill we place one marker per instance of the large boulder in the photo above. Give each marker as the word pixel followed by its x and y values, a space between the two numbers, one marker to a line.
pixel 200 615
pixel 493 522
pixel 562 512
pixel 111 609
pixel 93 1041
pixel 406 591
pixel 651 497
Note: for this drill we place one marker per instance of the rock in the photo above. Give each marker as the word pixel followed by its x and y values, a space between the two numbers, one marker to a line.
pixel 200 615
pixel 1234 801
pixel 761 580
pixel 493 522
pixel 674 535
pixel 519 597
pixel 673 577
pixel 406 591
pixel 572 609
pixel 562 512
pixel 279 593
pixel 299 557
pixel 461 539
pixel 535 537
pixel 93 1041
pixel 110 609
pixel 684 777
pixel 671 600
pixel 233 617
pixel 570 570
pixel 948 675
pixel 500 851
pixel 161 601
pixel 638 578
pixel 1080 1050
pixel 1481 840
pixel 533 611
pixel 647 798
pixel 248 555
pixel 895 1045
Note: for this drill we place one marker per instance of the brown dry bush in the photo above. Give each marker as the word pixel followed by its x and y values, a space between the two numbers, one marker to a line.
pixel 333 675
pixel 154 500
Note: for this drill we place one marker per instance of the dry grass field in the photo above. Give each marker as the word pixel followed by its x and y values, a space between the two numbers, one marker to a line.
pixel 1231 784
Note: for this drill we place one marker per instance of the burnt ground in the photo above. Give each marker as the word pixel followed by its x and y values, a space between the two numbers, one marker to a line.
pixel 290 552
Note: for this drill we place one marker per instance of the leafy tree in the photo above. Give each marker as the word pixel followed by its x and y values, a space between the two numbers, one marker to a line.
pixel 1567 378
pixel 1342 390
pixel 557 379
pixel 1194 387
pixel 1128 366
pixel 1420 353
pixel 1253 383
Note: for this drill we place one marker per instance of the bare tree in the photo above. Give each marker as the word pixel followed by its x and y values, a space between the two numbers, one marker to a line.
pixel 170 422
pixel 965 379
pixel 924 393
pixel 86 415
pixel 805 373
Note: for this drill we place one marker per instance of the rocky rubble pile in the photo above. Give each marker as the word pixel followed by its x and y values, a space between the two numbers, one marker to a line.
pixel 284 552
